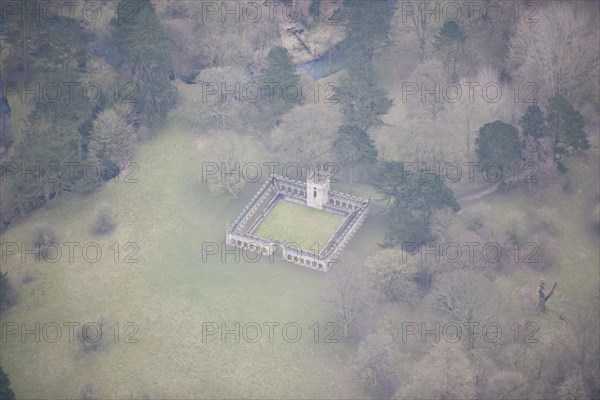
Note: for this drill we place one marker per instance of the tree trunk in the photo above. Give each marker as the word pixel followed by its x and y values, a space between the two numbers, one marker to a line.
pixel 47 195
pixel 543 297
pixel 25 58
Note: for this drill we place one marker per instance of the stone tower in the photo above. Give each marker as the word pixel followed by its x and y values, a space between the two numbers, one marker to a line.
pixel 317 188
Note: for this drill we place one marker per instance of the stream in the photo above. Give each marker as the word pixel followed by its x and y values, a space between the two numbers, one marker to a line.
pixel 341 56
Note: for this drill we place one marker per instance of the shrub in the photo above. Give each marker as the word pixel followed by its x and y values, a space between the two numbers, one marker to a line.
pixel 8 294
pixel 43 238
pixel 475 223
pixel 545 219
pixel 28 277
pixel 43 235
pixel 93 336
pixel 104 219
pixel 88 392
pixel 543 254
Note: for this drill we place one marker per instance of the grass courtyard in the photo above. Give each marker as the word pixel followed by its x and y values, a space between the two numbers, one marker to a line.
pixel 307 227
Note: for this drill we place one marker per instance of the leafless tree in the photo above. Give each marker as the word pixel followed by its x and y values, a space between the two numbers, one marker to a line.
pixel 306 135
pixel 445 373
pixel 466 296
pixel 560 49
pixel 350 298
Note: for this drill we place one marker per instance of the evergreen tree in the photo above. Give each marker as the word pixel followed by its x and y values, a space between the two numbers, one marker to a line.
pixel 52 150
pixel 8 294
pixel 450 44
pixel 5 134
pixel 388 177
pixel 45 43
pixel 565 126
pixel 63 45
pixel 534 130
pixel 6 392
pixel 532 122
pixel 280 82
pixel 367 25
pixel 144 44
pixel 417 198
pixel 361 99
pixel 355 148
pixel 498 143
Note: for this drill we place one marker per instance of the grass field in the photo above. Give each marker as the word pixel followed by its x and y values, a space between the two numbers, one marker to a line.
pixel 293 223
pixel 169 294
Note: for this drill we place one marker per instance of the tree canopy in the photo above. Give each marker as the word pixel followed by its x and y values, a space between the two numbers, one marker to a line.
pixel 417 197
pixel 362 100
pixel 354 147
pixel 565 125
pixel 498 144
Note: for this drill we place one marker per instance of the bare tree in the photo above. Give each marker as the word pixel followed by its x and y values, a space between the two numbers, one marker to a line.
pixel 229 158
pixel 542 296
pixel 560 49
pixel 465 296
pixel 579 341
pixel 219 101
pixel 306 135
pixel 395 274
pixel 350 298
pixel 417 15
pixel 506 385
pixel 430 80
pixel 441 224
pixel 445 373
pixel 573 388
pixel 373 363
pixel 112 136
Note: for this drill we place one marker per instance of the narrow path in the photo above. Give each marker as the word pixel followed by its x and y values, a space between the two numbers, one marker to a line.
pixel 473 197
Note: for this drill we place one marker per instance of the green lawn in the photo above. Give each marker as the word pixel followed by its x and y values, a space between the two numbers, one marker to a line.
pixel 169 294
pixel 307 227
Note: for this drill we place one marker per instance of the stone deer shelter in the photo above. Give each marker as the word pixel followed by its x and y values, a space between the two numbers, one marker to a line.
pixel 315 193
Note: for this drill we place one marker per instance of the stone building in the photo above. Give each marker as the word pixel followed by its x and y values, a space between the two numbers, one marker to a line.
pixel 316 193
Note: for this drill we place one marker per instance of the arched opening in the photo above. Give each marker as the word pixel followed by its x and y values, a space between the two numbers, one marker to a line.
pixel 314 192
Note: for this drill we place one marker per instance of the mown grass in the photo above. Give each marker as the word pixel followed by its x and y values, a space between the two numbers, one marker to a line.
pixel 169 294
pixel 293 223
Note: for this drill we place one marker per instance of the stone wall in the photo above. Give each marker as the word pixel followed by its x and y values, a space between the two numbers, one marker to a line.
pixel 279 188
